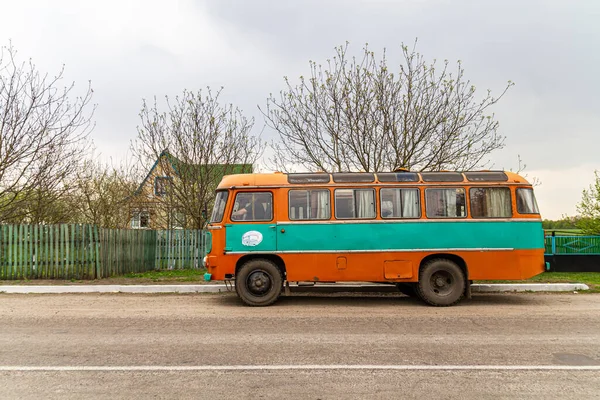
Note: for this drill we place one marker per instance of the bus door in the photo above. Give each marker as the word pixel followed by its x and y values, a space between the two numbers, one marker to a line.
pixel 252 227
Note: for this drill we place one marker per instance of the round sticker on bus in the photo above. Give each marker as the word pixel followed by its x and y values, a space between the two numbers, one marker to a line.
pixel 252 238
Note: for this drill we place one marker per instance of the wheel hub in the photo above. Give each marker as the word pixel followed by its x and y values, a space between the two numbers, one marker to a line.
pixel 441 282
pixel 259 282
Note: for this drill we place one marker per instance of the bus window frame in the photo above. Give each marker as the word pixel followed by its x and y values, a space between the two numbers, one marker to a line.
pixel 436 187
pixel 534 199
pixel 401 188
pixel 512 212
pixel 225 207
pixel 254 221
pixel 353 188
pixel 308 190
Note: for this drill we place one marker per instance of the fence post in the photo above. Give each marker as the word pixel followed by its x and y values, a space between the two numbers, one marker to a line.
pixel 553 243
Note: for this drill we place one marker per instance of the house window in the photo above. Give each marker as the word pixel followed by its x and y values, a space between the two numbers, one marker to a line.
pixel 140 220
pixel 160 185
pixel 177 219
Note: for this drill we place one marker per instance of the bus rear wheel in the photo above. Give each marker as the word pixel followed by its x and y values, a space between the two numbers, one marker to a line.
pixel 258 283
pixel 441 283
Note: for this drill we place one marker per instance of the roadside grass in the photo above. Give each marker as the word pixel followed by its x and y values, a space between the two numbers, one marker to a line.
pixel 143 278
pixel 171 275
pixel 592 279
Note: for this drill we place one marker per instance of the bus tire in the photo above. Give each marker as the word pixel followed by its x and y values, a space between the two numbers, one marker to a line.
pixel 407 289
pixel 441 283
pixel 258 283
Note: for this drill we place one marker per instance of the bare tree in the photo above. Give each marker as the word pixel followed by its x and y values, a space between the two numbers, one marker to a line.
pixel 43 137
pixel 201 140
pixel 521 167
pixel 43 205
pixel 100 195
pixel 359 115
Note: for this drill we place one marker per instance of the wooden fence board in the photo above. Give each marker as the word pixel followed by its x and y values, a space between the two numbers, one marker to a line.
pixel 180 249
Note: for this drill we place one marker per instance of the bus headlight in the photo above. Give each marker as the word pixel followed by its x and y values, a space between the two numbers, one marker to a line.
pixel 205 261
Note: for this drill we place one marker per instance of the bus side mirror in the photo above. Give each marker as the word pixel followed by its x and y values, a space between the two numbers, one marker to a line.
pixel 204 212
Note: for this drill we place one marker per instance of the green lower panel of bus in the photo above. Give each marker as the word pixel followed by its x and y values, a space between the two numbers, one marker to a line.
pixel 334 236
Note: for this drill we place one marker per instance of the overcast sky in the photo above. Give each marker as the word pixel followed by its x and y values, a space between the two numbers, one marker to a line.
pixel 131 50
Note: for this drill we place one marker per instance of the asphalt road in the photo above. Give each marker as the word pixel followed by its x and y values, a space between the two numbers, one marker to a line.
pixel 306 346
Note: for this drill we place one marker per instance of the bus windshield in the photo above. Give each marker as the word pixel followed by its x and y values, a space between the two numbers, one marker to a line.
pixel 219 208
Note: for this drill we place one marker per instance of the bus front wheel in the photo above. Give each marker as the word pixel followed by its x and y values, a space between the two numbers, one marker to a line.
pixel 441 283
pixel 258 282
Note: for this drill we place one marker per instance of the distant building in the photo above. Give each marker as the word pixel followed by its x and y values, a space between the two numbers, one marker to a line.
pixel 166 198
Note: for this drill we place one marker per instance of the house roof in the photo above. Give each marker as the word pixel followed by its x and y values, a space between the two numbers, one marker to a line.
pixel 179 166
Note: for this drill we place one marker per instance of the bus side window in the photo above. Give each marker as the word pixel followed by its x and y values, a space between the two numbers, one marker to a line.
pixel 445 203
pixel 400 203
pixel 354 203
pixel 309 204
pixel 490 202
pixel 253 206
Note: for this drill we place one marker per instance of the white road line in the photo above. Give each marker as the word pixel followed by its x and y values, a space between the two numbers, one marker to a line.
pixel 140 368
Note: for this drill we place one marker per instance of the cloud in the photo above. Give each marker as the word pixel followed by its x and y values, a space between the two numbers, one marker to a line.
pixel 560 191
pixel 140 49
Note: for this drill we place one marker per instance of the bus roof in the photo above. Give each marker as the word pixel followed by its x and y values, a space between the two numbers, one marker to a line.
pixel 278 179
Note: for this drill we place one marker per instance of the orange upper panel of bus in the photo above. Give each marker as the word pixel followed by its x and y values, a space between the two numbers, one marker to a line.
pixel 278 179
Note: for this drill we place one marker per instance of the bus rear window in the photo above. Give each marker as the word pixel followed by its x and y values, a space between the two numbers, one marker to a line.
pixel 219 208
pixel 526 203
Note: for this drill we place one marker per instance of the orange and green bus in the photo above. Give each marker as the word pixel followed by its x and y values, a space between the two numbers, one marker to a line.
pixel 430 233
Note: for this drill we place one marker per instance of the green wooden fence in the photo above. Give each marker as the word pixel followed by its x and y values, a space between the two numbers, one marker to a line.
pixel 125 251
pixel 49 251
pixel 87 252
pixel 180 249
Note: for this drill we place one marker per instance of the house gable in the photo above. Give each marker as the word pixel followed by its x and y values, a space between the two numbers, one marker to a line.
pixel 149 200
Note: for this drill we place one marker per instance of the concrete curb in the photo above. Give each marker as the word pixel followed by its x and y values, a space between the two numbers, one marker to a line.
pixel 530 287
pixel 216 288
